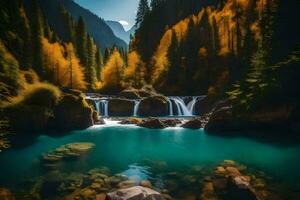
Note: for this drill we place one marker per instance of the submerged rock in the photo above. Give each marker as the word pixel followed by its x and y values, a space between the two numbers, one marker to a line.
pixel 6 194
pixel 193 124
pixel 153 123
pixel 135 193
pixel 66 152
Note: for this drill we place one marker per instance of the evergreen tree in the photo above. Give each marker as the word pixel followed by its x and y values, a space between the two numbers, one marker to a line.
pixel 99 63
pixel 38 34
pixel 90 69
pixel 106 55
pixel 81 41
pixel 143 10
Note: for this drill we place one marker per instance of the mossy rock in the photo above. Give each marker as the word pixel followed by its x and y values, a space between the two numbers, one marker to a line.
pixel 154 106
pixel 72 113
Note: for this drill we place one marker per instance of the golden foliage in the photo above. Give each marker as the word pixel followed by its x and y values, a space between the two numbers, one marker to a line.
pixel 113 72
pixel 63 71
pixel 135 71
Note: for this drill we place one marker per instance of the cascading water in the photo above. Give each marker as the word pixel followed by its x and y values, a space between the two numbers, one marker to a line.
pixel 136 108
pixel 182 108
pixel 102 107
pixel 170 107
pixel 191 105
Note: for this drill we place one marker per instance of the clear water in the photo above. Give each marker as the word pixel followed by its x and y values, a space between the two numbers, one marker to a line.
pixel 129 149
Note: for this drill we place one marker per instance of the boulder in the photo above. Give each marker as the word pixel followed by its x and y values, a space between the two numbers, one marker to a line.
pixel 239 188
pixel 131 121
pixel 171 122
pixel 154 106
pixel 153 123
pixel 67 152
pixel 120 107
pixel 6 194
pixel 193 124
pixel 135 193
pixel 72 113
pixel 203 106
pixel 220 120
pixel 130 94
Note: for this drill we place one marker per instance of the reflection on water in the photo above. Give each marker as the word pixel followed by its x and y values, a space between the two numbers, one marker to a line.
pixel 173 158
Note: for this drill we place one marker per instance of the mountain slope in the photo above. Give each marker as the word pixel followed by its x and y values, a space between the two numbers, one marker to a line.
pixel 96 27
pixel 119 30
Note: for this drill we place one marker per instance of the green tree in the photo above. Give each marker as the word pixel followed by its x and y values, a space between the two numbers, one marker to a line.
pixel 143 10
pixel 38 34
pixel 81 41
pixel 90 69
pixel 99 63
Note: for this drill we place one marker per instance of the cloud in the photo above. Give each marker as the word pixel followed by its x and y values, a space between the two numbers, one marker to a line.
pixel 124 23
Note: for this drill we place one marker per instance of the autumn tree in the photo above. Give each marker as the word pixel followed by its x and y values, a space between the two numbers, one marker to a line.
pixel 112 73
pixel 135 71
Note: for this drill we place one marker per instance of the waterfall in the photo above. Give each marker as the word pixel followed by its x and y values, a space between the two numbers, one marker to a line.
pixel 102 107
pixel 170 107
pixel 183 109
pixel 136 108
pixel 192 104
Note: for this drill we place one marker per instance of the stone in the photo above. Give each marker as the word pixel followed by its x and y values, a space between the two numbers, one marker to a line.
pixel 220 170
pixel 66 152
pixel 130 94
pixel 208 192
pixel 72 113
pixel 6 194
pixel 171 122
pixel 192 124
pixel 232 171
pixel 127 184
pixel 135 193
pixel 146 183
pixel 120 107
pixel 153 123
pixel 153 106
pixel 131 121
pixel 238 188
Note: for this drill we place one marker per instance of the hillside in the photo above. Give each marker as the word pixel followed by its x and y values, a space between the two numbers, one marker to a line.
pixel 119 30
pixel 96 27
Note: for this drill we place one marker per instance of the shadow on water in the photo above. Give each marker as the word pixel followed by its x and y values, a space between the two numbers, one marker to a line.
pixel 274 138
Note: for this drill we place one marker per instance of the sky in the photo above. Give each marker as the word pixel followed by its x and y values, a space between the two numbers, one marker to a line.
pixel 123 11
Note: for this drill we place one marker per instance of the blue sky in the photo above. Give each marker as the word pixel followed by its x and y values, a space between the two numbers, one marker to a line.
pixel 117 10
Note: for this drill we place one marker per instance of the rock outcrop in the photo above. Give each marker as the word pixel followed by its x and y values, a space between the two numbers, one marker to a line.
pixel 120 107
pixel 153 123
pixel 72 113
pixel 153 106
pixel 193 124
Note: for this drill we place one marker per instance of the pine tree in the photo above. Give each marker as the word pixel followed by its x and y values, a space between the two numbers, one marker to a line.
pixel 106 55
pixel 99 63
pixel 90 69
pixel 37 30
pixel 143 10
pixel 81 41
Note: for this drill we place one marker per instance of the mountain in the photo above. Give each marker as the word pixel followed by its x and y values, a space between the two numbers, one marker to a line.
pixel 96 27
pixel 119 30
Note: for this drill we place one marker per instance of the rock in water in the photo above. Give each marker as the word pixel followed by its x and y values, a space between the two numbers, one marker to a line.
pixel 193 124
pixel 239 188
pixel 120 107
pixel 72 113
pixel 66 152
pixel 153 123
pixel 154 106
pixel 135 193
pixel 6 194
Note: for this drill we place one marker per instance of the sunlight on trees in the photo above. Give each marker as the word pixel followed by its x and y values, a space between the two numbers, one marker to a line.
pixel 62 71
pixel 113 72
pixel 134 74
